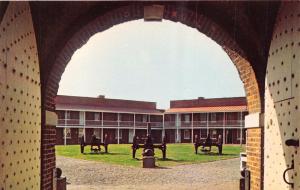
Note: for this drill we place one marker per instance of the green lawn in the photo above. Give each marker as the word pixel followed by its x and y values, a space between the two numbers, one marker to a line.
pixel 176 154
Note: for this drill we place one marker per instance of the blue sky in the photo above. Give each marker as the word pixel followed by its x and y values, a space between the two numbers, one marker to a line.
pixel 151 61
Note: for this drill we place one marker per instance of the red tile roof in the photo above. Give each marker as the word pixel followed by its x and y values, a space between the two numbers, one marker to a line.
pixel 210 102
pixel 237 104
pixel 208 109
pixel 105 104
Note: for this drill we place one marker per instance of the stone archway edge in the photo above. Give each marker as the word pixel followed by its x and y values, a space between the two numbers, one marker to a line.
pixel 254 120
pixel 51 118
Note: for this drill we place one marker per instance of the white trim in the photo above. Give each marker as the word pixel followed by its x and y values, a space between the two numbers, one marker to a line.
pixel 134 126
pixel 84 121
pixel 71 126
pixel 118 136
pixel 224 119
pixel 102 119
pixel 221 111
pixel 192 127
pixel 163 128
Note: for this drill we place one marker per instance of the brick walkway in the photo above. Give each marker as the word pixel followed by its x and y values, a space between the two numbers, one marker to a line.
pixel 82 174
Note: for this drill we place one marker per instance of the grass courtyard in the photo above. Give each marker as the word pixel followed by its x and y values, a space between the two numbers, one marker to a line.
pixel 177 154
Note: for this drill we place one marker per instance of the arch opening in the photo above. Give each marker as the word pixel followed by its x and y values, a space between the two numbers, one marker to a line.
pixel 186 16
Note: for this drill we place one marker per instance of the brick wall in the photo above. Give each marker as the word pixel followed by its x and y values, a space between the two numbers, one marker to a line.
pixel 254 89
pixel 125 136
pixel 254 156
pixel 59 136
pixel 47 156
pixel 156 136
pixel 170 134
pixel 111 135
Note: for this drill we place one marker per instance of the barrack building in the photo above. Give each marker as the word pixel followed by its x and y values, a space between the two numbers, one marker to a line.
pixel 122 119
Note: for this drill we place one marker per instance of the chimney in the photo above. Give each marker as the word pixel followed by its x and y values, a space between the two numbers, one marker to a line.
pixel 101 96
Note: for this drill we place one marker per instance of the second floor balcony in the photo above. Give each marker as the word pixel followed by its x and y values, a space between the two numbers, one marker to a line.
pixel 142 124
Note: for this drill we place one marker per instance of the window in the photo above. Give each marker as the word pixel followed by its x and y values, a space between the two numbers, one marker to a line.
pixel 186 118
pixel 67 133
pixel 68 115
pixel 89 116
pixel 203 133
pixel 97 116
pixel 72 115
pixel 186 134
pixel 60 114
pixel 214 132
pixel 213 117
pixel 203 117
pixel 144 118
pixel 80 132
pixel 120 134
pixel 97 132
pixel 232 116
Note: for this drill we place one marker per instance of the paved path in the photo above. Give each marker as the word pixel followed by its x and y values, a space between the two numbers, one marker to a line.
pixel 84 175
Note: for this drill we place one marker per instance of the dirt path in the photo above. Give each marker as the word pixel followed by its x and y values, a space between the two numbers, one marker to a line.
pixel 82 174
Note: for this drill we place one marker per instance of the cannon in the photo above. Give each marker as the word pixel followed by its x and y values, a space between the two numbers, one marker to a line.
pixel 95 144
pixel 208 143
pixel 148 145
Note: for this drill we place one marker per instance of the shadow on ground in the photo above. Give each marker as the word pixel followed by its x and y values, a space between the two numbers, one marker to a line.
pixel 103 153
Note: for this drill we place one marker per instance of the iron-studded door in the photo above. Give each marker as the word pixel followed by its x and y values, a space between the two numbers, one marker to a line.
pixel 282 98
pixel 20 100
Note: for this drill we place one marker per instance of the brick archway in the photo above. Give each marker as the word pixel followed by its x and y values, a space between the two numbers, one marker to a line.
pixel 253 81
pixel 172 13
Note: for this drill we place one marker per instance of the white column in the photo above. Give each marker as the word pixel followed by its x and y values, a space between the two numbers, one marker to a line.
pixel 102 122
pixel 102 135
pixel 178 124
pixel 118 128
pixel 149 120
pixel 224 120
pixel 192 127
pixel 241 129
pixel 163 127
pixel 207 122
pixel 134 124
pixel 102 119
pixel 84 124
pixel 65 140
pixel 65 133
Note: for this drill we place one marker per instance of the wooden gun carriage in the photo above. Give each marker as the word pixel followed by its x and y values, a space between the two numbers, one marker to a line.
pixel 95 144
pixel 204 143
pixel 162 147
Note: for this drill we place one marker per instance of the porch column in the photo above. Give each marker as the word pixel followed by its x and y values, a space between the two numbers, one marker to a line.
pixel 134 124
pixel 102 119
pixel 84 124
pixel 163 126
pixel 192 127
pixel 241 129
pixel 207 130
pixel 224 120
pixel 65 131
pixel 118 137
